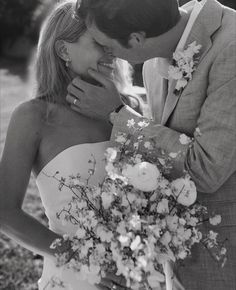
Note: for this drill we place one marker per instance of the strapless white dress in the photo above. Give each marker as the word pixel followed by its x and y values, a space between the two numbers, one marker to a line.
pixel 70 161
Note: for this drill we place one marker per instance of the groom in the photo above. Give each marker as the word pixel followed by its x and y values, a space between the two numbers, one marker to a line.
pixel 201 104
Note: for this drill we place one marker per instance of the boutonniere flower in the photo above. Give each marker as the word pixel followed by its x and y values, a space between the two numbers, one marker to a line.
pixel 184 64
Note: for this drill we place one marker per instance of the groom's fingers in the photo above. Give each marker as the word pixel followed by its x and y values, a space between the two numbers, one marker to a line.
pixel 73 101
pixel 100 287
pixel 80 84
pixel 109 284
pixel 99 77
pixel 120 280
pixel 74 91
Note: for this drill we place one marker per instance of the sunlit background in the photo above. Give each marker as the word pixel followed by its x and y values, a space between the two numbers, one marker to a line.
pixel 20 22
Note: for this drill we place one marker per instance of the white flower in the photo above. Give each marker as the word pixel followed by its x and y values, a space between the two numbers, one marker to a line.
pixel 223 251
pixel 107 199
pixel 143 123
pixel 147 145
pixel 80 233
pixel 184 66
pixel 184 139
pixel 212 236
pixel 185 191
pixel 142 261
pixel 198 132
pixel 135 222
pixel 194 47
pixel 111 154
pixel 136 243
pixel 130 123
pixel 166 238
pixel 172 222
pixel 143 176
pixel 124 240
pixel 173 155
pixel 215 220
pixel 138 158
pixel 182 83
pixel 163 206
pixel 182 255
pixel 175 73
pixel 121 139
pixel 104 234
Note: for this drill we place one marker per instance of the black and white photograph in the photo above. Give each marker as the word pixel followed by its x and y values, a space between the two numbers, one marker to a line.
pixel 117 145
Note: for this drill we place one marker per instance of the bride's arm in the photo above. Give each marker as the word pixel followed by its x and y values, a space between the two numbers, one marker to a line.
pixel 21 147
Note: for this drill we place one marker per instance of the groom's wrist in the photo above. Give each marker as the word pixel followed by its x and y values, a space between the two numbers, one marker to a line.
pixel 113 114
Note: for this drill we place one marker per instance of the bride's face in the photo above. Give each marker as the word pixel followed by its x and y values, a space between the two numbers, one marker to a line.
pixel 85 54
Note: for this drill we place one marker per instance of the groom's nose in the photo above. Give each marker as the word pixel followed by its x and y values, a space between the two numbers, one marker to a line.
pixel 108 51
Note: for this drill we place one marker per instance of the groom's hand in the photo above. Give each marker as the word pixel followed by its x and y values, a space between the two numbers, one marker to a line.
pixel 112 282
pixel 94 101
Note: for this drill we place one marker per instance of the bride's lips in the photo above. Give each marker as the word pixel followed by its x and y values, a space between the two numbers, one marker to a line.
pixel 106 67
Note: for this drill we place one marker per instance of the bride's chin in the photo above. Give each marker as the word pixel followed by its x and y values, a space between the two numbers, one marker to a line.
pixel 107 71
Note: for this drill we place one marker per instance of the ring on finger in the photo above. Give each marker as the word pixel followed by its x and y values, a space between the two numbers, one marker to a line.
pixel 75 101
pixel 114 287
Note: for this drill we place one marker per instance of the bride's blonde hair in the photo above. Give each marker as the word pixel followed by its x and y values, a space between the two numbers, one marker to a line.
pixel 52 75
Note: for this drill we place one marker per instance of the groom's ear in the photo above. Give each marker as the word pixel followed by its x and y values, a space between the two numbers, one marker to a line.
pixel 61 50
pixel 137 39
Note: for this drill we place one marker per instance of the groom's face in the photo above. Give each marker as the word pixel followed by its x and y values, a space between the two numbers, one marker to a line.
pixel 132 54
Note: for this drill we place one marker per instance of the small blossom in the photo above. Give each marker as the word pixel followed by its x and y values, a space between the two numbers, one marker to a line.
pixel 130 123
pixel 80 233
pixel 147 145
pixel 111 154
pixel 142 176
pixel 184 139
pixel 107 199
pixel 175 73
pixel 181 84
pixel 184 66
pixel 198 132
pixel 215 220
pixel 163 206
pixel 121 139
pixel 185 191
pixel 143 123
pixel 173 155
pixel 135 244
pixel 223 251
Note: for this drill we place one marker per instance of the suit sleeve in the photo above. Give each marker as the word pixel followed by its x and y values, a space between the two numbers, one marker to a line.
pixel 211 158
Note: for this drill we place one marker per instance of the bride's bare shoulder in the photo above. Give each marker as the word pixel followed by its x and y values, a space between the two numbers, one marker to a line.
pixel 30 114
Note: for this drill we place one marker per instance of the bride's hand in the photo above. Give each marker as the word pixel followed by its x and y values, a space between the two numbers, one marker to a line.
pixel 91 100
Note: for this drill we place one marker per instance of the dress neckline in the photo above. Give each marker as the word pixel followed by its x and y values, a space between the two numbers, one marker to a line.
pixel 66 150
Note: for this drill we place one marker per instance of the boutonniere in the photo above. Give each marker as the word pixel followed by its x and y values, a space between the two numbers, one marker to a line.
pixel 184 64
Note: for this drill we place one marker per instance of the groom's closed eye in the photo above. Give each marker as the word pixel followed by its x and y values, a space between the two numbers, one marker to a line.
pixel 106 48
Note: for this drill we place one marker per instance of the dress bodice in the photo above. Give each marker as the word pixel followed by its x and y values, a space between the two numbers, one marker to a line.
pixel 71 161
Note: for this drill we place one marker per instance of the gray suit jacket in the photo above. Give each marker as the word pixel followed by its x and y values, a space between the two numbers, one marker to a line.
pixel 209 103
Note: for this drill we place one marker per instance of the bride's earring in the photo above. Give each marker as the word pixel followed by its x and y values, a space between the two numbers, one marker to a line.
pixel 68 62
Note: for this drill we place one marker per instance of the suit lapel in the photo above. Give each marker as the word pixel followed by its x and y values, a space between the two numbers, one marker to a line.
pixel 201 32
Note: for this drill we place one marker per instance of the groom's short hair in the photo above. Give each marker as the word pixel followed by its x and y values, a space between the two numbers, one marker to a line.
pixel 119 18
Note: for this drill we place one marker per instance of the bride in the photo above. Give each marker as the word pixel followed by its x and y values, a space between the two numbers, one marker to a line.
pixel 45 136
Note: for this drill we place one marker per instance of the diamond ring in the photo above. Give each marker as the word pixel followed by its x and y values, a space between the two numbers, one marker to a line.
pixel 74 102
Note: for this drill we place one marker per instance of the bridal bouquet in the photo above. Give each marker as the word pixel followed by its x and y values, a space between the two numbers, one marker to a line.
pixel 138 220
